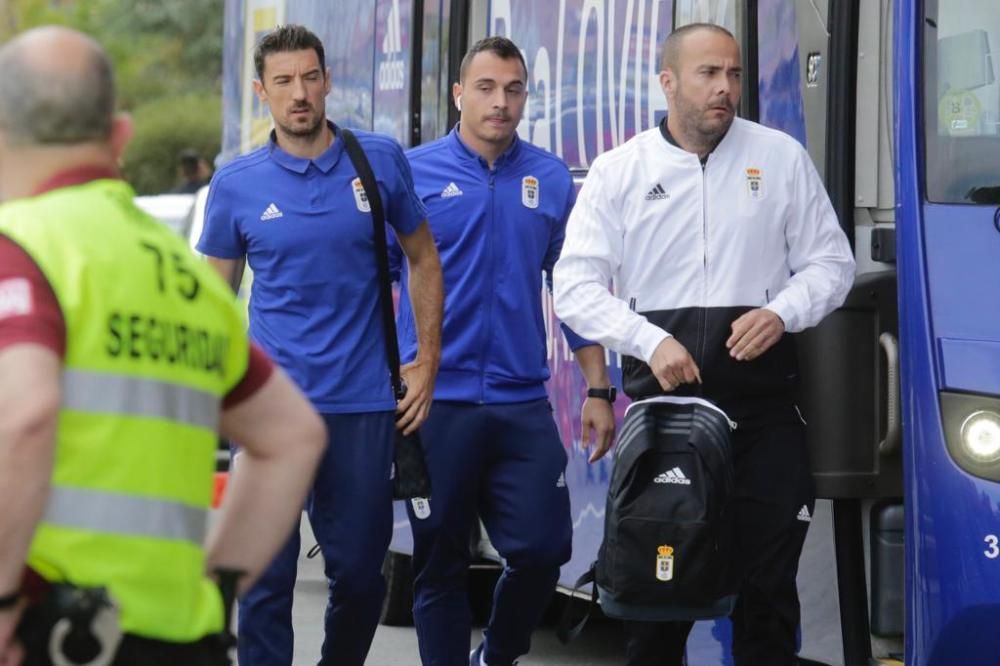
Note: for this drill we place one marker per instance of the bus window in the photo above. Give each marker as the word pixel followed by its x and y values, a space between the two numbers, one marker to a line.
pixel 962 102
pixel 786 34
pixel 435 86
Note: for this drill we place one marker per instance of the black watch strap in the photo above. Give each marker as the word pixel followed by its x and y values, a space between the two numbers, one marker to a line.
pixel 608 394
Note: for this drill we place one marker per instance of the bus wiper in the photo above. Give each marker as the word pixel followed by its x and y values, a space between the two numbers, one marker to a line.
pixel 984 195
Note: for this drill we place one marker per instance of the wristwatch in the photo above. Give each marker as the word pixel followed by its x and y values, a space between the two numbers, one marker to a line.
pixel 608 394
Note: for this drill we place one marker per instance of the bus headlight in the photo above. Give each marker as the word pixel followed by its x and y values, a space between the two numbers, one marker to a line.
pixel 981 436
pixel 972 432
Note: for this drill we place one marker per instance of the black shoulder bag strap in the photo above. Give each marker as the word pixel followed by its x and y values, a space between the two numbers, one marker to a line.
pixel 411 477
pixel 364 169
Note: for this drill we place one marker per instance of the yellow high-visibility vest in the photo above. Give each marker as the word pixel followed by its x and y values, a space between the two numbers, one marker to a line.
pixel 154 341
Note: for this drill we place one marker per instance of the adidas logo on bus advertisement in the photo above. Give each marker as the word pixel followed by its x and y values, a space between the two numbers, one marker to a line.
pixel 390 71
pixel 674 475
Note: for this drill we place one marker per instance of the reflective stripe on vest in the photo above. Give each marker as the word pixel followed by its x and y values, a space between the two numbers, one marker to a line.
pixel 116 513
pixel 104 393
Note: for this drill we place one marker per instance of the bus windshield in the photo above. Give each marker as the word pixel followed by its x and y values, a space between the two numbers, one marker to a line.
pixel 962 101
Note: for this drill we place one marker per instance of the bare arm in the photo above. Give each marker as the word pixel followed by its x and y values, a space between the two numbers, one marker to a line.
pixel 427 297
pixel 597 416
pixel 281 440
pixel 30 393
pixel 231 270
pixel 593 366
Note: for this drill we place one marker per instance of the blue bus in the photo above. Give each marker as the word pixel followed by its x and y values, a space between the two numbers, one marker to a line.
pixel 898 104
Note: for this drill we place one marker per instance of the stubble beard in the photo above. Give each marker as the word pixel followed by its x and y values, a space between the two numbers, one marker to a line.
pixel 706 133
pixel 495 136
pixel 307 133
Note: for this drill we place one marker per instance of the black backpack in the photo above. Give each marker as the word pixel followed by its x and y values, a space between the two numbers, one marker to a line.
pixel 668 526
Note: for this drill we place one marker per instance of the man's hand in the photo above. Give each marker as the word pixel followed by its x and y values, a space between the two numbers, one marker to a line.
pixel 11 651
pixel 597 417
pixel 413 409
pixel 672 365
pixel 754 333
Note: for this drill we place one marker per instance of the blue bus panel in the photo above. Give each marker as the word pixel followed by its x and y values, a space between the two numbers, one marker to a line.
pixel 949 279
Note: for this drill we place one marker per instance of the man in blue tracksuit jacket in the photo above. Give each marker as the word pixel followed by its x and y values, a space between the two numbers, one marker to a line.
pixel 497 207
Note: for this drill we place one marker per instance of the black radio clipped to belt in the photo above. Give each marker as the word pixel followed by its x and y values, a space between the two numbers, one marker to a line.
pixel 70 626
pixel 67 625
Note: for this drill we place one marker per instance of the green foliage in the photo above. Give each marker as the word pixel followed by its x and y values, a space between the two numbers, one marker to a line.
pixel 163 128
pixel 18 15
pixel 160 48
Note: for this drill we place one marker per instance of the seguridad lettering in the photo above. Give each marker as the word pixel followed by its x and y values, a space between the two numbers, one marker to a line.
pixel 175 343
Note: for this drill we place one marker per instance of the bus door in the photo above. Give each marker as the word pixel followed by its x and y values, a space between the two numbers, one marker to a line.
pixel 842 112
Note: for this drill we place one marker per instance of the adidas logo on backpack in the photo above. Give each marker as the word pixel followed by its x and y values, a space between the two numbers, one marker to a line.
pixel 675 475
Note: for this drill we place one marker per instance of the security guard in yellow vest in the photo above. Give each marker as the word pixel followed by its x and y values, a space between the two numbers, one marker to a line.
pixel 121 358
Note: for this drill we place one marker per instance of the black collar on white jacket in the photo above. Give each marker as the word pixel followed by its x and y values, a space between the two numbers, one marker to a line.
pixel 665 132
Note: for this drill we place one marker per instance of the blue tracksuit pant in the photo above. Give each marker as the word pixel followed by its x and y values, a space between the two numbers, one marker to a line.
pixel 350 510
pixel 503 463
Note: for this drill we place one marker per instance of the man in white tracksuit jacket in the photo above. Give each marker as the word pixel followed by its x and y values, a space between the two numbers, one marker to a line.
pixel 720 239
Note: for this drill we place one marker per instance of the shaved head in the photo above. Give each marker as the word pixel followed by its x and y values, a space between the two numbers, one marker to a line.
pixel 670 56
pixel 56 88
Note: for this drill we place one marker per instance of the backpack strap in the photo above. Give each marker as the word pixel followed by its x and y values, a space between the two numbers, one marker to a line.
pixel 566 632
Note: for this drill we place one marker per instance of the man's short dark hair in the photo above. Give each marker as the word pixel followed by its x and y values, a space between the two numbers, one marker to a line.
pixel 501 47
pixel 671 52
pixel 287 38
pixel 46 106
